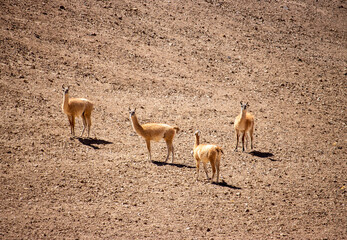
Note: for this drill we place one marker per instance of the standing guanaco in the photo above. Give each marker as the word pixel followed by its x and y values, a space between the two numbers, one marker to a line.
pixel 207 153
pixel 77 107
pixel 244 123
pixel 156 132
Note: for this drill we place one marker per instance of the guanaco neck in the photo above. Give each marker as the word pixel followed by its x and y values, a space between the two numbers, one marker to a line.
pixel 65 101
pixel 136 125
pixel 197 141
pixel 243 113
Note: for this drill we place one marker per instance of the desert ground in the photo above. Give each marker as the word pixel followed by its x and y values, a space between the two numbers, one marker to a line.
pixel 186 64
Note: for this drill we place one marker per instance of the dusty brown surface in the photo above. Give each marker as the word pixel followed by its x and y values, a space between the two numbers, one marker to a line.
pixel 184 63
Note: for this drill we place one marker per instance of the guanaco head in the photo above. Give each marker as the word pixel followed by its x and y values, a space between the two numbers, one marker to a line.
pixel 197 133
pixel 132 112
pixel 244 106
pixel 65 89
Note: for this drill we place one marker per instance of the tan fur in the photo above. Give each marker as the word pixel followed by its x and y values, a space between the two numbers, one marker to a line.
pixel 244 124
pixel 154 132
pixel 207 153
pixel 77 107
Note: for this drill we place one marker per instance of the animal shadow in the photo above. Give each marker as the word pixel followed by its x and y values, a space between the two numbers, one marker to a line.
pixel 171 164
pixel 263 155
pixel 91 142
pixel 225 184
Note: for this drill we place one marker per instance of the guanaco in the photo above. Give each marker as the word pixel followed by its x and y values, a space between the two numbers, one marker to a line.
pixel 156 132
pixel 77 107
pixel 244 124
pixel 207 153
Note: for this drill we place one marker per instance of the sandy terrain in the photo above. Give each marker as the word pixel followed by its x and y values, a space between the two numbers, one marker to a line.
pixel 184 63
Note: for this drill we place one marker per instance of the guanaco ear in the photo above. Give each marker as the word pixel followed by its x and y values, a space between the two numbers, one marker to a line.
pixel 63 87
pixel 247 104
pixel 241 103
